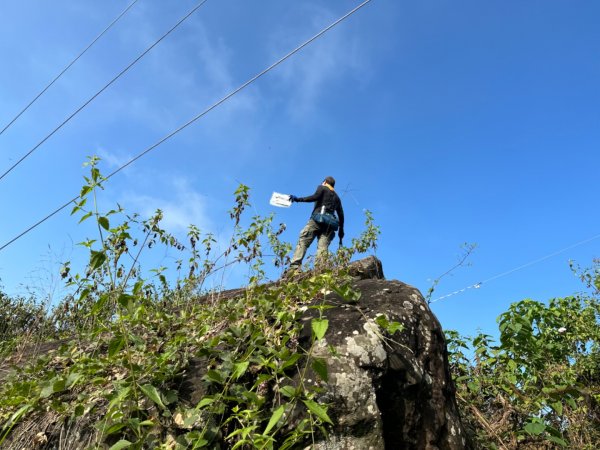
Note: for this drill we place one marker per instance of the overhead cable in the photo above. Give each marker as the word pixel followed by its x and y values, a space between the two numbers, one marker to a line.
pixel 64 122
pixel 523 266
pixel 68 66
pixel 195 118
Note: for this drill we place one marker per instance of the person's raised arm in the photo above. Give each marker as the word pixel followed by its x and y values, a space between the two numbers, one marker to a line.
pixel 310 198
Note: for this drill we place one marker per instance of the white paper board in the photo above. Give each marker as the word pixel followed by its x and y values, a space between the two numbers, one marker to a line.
pixel 280 200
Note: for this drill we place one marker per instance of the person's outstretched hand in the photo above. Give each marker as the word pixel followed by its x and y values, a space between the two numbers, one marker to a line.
pixel 293 198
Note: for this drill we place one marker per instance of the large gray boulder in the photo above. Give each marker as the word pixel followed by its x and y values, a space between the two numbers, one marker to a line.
pixel 383 391
pixel 387 391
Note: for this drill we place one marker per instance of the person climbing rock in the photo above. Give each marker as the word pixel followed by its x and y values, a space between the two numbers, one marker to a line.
pixel 322 224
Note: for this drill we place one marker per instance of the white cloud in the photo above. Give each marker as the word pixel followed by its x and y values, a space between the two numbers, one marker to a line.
pixel 214 79
pixel 111 159
pixel 181 207
pixel 309 73
pixel 182 77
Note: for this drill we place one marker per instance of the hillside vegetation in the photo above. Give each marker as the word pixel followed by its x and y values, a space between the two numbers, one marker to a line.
pixel 539 386
pixel 116 351
pixel 119 346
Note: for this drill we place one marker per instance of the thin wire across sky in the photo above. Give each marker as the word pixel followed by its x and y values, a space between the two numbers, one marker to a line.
pixel 68 66
pixel 515 269
pixel 106 86
pixel 195 118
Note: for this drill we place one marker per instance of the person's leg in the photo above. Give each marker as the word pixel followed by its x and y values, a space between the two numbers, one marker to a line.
pixel 323 246
pixel 307 235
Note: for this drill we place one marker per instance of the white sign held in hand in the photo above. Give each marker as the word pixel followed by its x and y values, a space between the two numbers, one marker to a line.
pixel 281 200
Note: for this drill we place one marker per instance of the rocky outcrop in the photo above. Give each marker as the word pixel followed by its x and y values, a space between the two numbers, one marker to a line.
pixel 384 391
pixel 388 384
pixel 388 391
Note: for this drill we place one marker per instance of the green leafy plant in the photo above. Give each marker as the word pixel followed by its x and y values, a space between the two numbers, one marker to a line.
pixel 129 338
pixel 539 386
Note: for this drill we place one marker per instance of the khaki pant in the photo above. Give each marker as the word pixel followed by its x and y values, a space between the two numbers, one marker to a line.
pixel 308 234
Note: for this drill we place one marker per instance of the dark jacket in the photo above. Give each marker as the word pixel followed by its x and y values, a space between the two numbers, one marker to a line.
pixel 328 198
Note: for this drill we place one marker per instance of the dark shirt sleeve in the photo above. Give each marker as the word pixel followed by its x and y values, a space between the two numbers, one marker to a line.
pixel 340 214
pixel 313 198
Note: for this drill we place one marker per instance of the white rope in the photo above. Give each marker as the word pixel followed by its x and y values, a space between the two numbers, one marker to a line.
pixel 508 272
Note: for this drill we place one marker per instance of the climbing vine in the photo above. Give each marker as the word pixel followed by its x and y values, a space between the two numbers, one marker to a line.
pixel 124 342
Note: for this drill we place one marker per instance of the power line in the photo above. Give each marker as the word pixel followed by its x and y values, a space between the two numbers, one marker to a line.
pixel 523 266
pixel 69 66
pixel 103 89
pixel 195 118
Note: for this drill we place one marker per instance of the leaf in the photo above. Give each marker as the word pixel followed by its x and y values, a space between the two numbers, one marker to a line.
pixel 85 190
pixel 137 287
pixel 79 411
pixel 97 259
pixel 85 217
pixel 558 407
pixel 95 174
pixel 474 387
pixel 390 327
pixel 47 391
pixel 243 441
pixel 558 441
pixel 274 418
pixel 197 441
pixel 170 397
pixel 319 327
pixel 16 416
pixel 153 394
pixel 114 428
pixel 293 359
pixel 115 345
pixel 535 428
pixel 59 385
pixel 382 321
pixel 99 305
pixel 125 300
pixel 317 410
pixel 347 293
pixel 79 205
pixel 72 379
pixel 214 376
pixel 320 367
pixel 84 294
pixel 52 386
pixel 288 391
pixel 395 326
pixel 239 369
pixel 205 402
pixel 103 222
pixel 123 443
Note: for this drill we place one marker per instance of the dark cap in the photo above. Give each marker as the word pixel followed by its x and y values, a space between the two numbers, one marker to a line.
pixel 330 181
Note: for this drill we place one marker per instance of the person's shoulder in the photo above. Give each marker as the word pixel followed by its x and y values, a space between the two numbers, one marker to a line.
pixel 337 197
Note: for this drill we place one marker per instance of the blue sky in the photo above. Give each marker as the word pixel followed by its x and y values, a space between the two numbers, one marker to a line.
pixel 451 121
